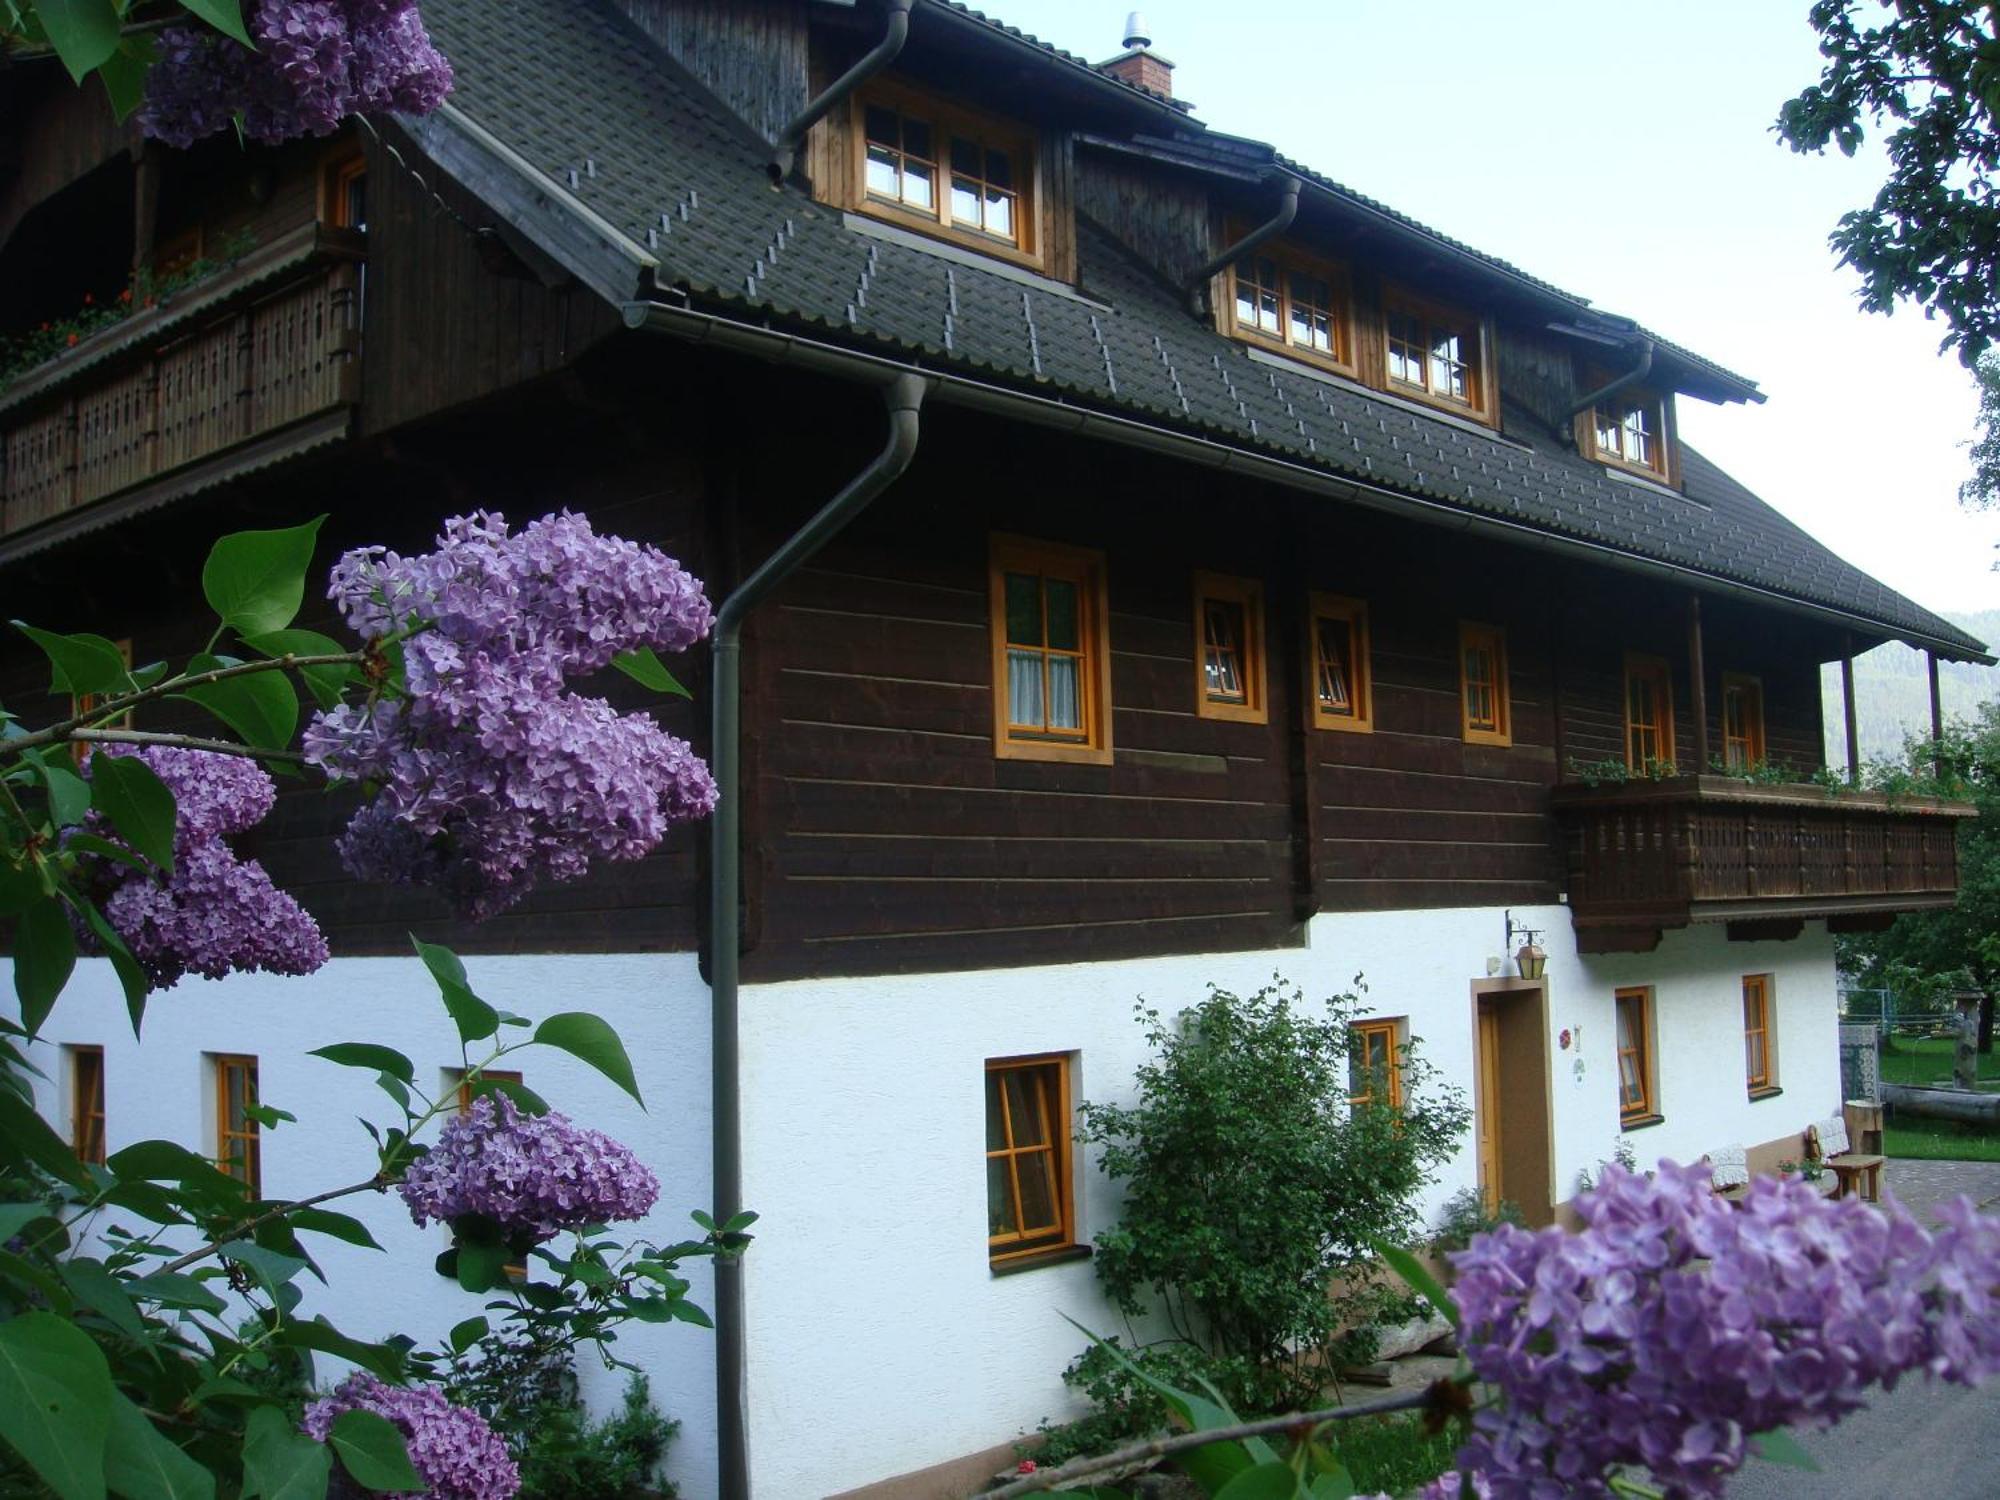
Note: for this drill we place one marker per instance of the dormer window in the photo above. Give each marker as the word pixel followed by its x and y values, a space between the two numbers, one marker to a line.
pixel 1290 301
pixel 940 169
pixel 1437 354
pixel 1630 430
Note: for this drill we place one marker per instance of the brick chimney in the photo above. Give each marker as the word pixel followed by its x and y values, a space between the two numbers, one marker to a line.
pixel 1138 64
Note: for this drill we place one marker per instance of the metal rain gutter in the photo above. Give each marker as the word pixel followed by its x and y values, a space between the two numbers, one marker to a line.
pixel 1277 224
pixel 904 396
pixel 785 150
pixel 1637 373
pixel 777 346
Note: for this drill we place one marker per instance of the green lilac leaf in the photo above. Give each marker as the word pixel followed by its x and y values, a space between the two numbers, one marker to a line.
pixel 592 1040
pixel 645 668
pixel 171 1289
pixel 1267 1481
pixel 84 33
pixel 96 1288
pixel 271 1267
pixel 255 581
pixel 20 887
pixel 325 683
pixel 475 1019
pixel 81 663
pixel 481 1267
pixel 55 1402
pixel 280 1463
pixel 142 1463
pixel 261 707
pixel 525 1099
pixel 25 1137
pixel 1780 1447
pixel 322 1337
pixel 131 978
pixel 376 1059
pixel 123 75
pixel 226 16
pixel 373 1452
pixel 69 794
pixel 471 1331
pixel 126 790
pixel 340 1226
pixel 1420 1280
pixel 44 955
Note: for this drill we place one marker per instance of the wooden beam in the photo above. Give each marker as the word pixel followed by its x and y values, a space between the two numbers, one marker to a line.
pixel 1697 685
pixel 1847 706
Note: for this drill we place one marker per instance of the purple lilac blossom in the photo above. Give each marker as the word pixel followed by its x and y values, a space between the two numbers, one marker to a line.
pixel 530 1174
pixel 452 1449
pixel 315 63
pixel 489 777
pixel 214 913
pixel 1673 1327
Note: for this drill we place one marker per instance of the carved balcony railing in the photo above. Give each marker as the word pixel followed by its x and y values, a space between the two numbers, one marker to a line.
pixel 255 363
pixel 1648 855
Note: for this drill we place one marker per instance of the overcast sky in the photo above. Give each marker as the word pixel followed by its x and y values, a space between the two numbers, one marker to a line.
pixel 1622 150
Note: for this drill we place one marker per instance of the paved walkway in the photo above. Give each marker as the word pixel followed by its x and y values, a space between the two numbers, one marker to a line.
pixel 1924 1184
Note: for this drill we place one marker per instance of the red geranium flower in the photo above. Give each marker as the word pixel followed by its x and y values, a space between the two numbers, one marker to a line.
pixel 72 341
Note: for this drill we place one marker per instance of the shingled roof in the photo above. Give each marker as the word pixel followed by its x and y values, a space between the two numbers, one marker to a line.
pixel 640 181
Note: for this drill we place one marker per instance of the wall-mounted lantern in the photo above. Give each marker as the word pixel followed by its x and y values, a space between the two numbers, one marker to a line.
pixel 1529 957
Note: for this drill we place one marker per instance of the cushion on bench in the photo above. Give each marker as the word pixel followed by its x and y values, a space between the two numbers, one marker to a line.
pixel 1729 1167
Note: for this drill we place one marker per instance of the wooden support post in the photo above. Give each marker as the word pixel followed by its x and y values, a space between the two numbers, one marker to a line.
pixel 1965 1056
pixel 1847 704
pixel 1937 717
pixel 146 164
pixel 1697 686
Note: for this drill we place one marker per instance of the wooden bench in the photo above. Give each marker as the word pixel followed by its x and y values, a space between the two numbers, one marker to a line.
pixel 1853 1171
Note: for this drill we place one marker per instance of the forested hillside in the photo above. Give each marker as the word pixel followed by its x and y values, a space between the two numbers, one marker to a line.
pixel 1892 694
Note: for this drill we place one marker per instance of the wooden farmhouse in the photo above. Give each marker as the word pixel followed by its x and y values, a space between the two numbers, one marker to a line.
pixel 1238 578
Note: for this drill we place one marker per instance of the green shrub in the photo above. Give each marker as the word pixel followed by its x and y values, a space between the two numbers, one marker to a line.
pixel 1126 1409
pixel 1392 1455
pixel 1464 1216
pixel 1254 1191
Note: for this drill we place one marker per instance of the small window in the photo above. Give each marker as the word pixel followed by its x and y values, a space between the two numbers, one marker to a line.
pixel 1637 1093
pixel 1649 715
pixel 1374 1063
pixel 1630 430
pixel 1295 303
pixel 1760 1060
pixel 1229 673
pixel 238 1148
pixel 945 169
pixel 86 1103
pixel 1051 653
pixel 1029 1202
pixel 1482 676
pixel 1437 354
pixel 344 192
pixel 1343 695
pixel 1742 721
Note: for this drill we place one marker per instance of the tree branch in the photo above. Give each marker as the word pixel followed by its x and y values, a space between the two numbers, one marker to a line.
pixel 277 1212
pixel 1182 1442
pixel 110 708
pixel 182 742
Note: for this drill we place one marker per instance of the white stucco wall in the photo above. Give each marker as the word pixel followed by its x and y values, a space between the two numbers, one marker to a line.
pixel 879 1340
pixel 162 1088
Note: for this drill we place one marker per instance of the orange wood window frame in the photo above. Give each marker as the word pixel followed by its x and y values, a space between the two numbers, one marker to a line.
pixel 238 1141
pixel 1368 1039
pixel 1613 414
pixel 1349 619
pixel 1635 1055
pixel 1649 712
pixel 946 121
pixel 1759 1065
pixel 337 178
pixel 86 1103
pixel 1090 740
pixel 1047 1080
pixel 1286 263
pixel 1475 335
pixel 1486 709
pixel 83 703
pixel 1229 647
pixel 501 1075
pixel 1742 721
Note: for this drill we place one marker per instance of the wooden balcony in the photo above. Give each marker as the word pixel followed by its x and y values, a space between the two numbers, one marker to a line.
pixel 251 366
pixel 1648 855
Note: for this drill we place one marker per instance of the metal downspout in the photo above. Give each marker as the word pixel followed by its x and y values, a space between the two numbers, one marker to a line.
pixel 904 396
pixel 1638 372
pixel 785 150
pixel 1278 223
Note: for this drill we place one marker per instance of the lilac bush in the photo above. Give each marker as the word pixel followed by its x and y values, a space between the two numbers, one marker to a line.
pixel 215 912
pixel 487 775
pixel 531 1174
pixel 315 63
pixel 452 1449
pixel 1674 1326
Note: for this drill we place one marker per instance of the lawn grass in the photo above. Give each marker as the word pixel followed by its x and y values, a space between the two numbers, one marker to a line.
pixel 1393 1455
pixel 1928 1061
pixel 1940 1140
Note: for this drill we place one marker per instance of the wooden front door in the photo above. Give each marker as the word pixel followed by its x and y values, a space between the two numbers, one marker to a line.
pixel 1489 1105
